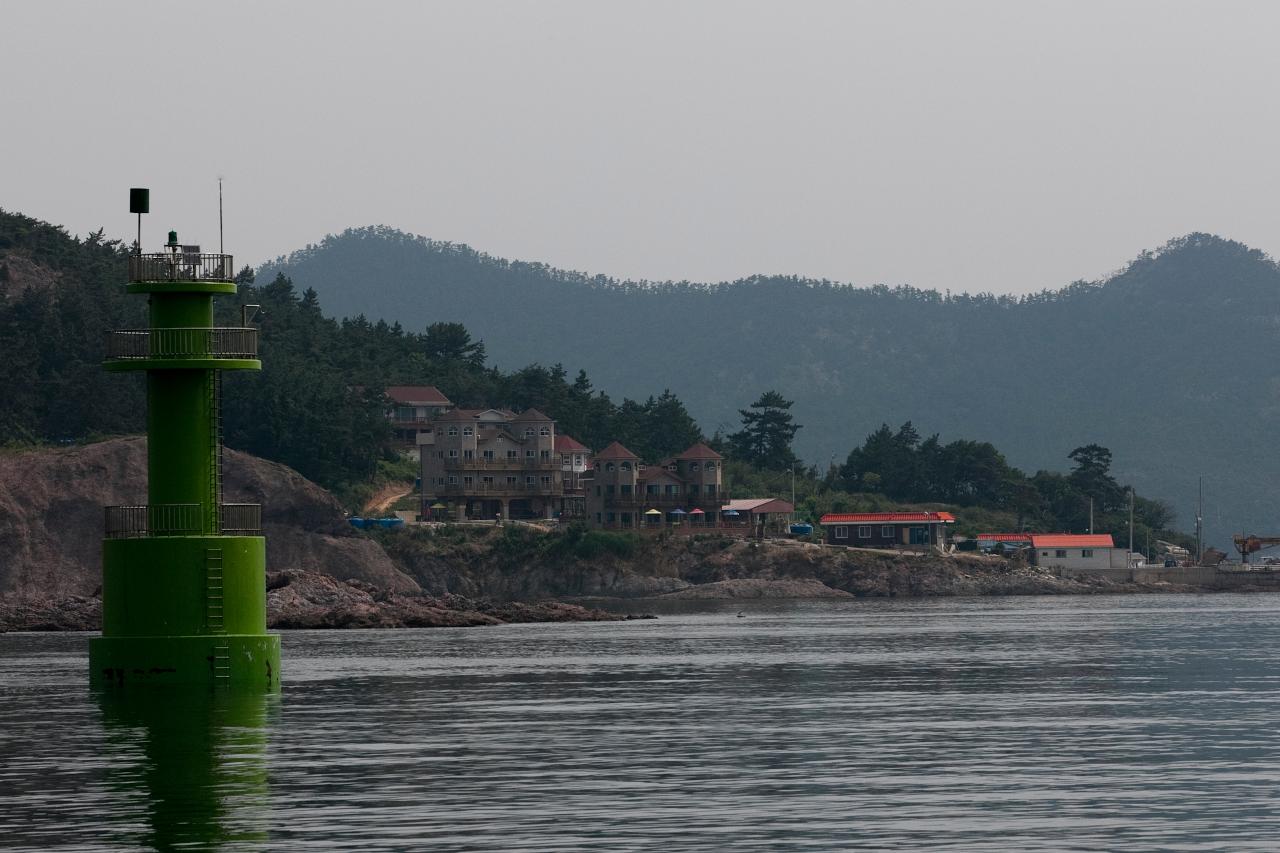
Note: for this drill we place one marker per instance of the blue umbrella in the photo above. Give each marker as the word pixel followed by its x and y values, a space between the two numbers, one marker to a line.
pixel 677 512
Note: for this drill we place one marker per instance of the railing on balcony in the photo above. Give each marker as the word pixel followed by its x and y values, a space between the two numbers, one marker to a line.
pixel 502 464
pixel 494 489
pixel 130 522
pixel 182 343
pixel 241 519
pixel 181 266
pixel 644 499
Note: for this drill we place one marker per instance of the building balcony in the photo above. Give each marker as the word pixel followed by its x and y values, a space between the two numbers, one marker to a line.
pixel 181 344
pixel 139 520
pixel 492 490
pixel 647 500
pixel 181 266
pixel 501 465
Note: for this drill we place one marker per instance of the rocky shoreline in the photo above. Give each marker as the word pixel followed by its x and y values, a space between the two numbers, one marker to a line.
pixel 301 599
pixel 323 574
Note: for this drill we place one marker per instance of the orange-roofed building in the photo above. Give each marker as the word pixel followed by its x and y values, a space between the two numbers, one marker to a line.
pixel 915 530
pixel 1077 551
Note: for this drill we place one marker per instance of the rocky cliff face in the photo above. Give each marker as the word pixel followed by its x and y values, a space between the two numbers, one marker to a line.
pixel 51 518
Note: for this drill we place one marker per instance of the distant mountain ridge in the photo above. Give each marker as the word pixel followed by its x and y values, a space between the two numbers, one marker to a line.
pixel 1169 363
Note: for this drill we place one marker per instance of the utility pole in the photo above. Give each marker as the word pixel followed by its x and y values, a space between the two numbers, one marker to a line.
pixel 1200 526
pixel 1131 520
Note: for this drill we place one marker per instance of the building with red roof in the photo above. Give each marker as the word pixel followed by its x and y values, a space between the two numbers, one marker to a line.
pixel 1077 551
pixel 915 530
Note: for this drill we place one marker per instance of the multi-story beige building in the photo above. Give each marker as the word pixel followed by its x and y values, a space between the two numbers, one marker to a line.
pixel 683 490
pixel 491 463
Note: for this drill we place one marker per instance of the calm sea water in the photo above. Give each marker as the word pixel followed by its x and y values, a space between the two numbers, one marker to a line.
pixel 1110 723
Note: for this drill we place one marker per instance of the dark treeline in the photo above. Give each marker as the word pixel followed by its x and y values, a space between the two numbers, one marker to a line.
pixel 901 466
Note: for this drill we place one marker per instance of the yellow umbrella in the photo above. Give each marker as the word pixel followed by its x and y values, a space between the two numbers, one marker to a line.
pixel 438 505
pixel 653 512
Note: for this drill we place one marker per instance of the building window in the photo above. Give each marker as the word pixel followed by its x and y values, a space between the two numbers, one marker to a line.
pixel 694 466
pixel 487 480
pixel 710 489
pixel 453 454
pixel 864 532
pixel 1086 552
pixel 711 466
pixel 512 454
pixel 626 489
pixel 886 531
pixel 693 488
pixel 608 467
pixel 511 481
pixel 453 430
pixel 611 517
pixel 467 481
pixel 1044 553
pixel 528 454
pixel 488 456
pixel 650 489
pixel 842 533
pixel 626 518
pixel 577 459
pixel 528 481
pixel 1061 552
pixel 453 479
pixel 564 460
pixel 468 454
pixel 544 455
pixel 468 431
pixel 528 433
pixel 545 431
pixel 626 466
pixel 546 481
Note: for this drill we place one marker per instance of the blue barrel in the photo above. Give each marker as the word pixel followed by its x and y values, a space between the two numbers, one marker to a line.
pixel 356 521
pixel 801 529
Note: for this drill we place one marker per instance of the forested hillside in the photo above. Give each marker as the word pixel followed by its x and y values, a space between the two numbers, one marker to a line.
pixel 1168 364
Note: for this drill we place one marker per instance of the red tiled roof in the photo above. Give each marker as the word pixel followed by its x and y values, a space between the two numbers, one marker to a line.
pixel 418 395
pixel 1005 537
pixel 569 444
pixel 699 451
pixel 1072 540
pixel 887 517
pixel 760 505
pixel 615 451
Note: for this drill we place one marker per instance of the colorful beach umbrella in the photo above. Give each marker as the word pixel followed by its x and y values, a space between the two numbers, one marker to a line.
pixel 696 511
pixel 678 512
pixel 653 512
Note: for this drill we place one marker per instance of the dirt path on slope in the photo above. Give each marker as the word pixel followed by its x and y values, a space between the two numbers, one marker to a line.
pixel 385 497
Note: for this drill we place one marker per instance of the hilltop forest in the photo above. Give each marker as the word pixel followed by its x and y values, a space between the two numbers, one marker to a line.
pixel 317 404
pixel 1168 363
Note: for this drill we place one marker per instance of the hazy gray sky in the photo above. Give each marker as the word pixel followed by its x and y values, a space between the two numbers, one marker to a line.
pixel 1003 146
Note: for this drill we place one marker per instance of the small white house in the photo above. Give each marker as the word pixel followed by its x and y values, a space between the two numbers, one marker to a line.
pixel 1077 552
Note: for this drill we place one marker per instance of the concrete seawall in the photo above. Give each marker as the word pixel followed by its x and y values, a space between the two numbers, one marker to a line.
pixel 1206 577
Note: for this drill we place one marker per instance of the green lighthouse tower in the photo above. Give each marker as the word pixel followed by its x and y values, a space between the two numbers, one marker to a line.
pixel 183 576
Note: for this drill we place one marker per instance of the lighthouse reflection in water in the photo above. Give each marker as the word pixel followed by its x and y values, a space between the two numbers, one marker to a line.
pixel 194 761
